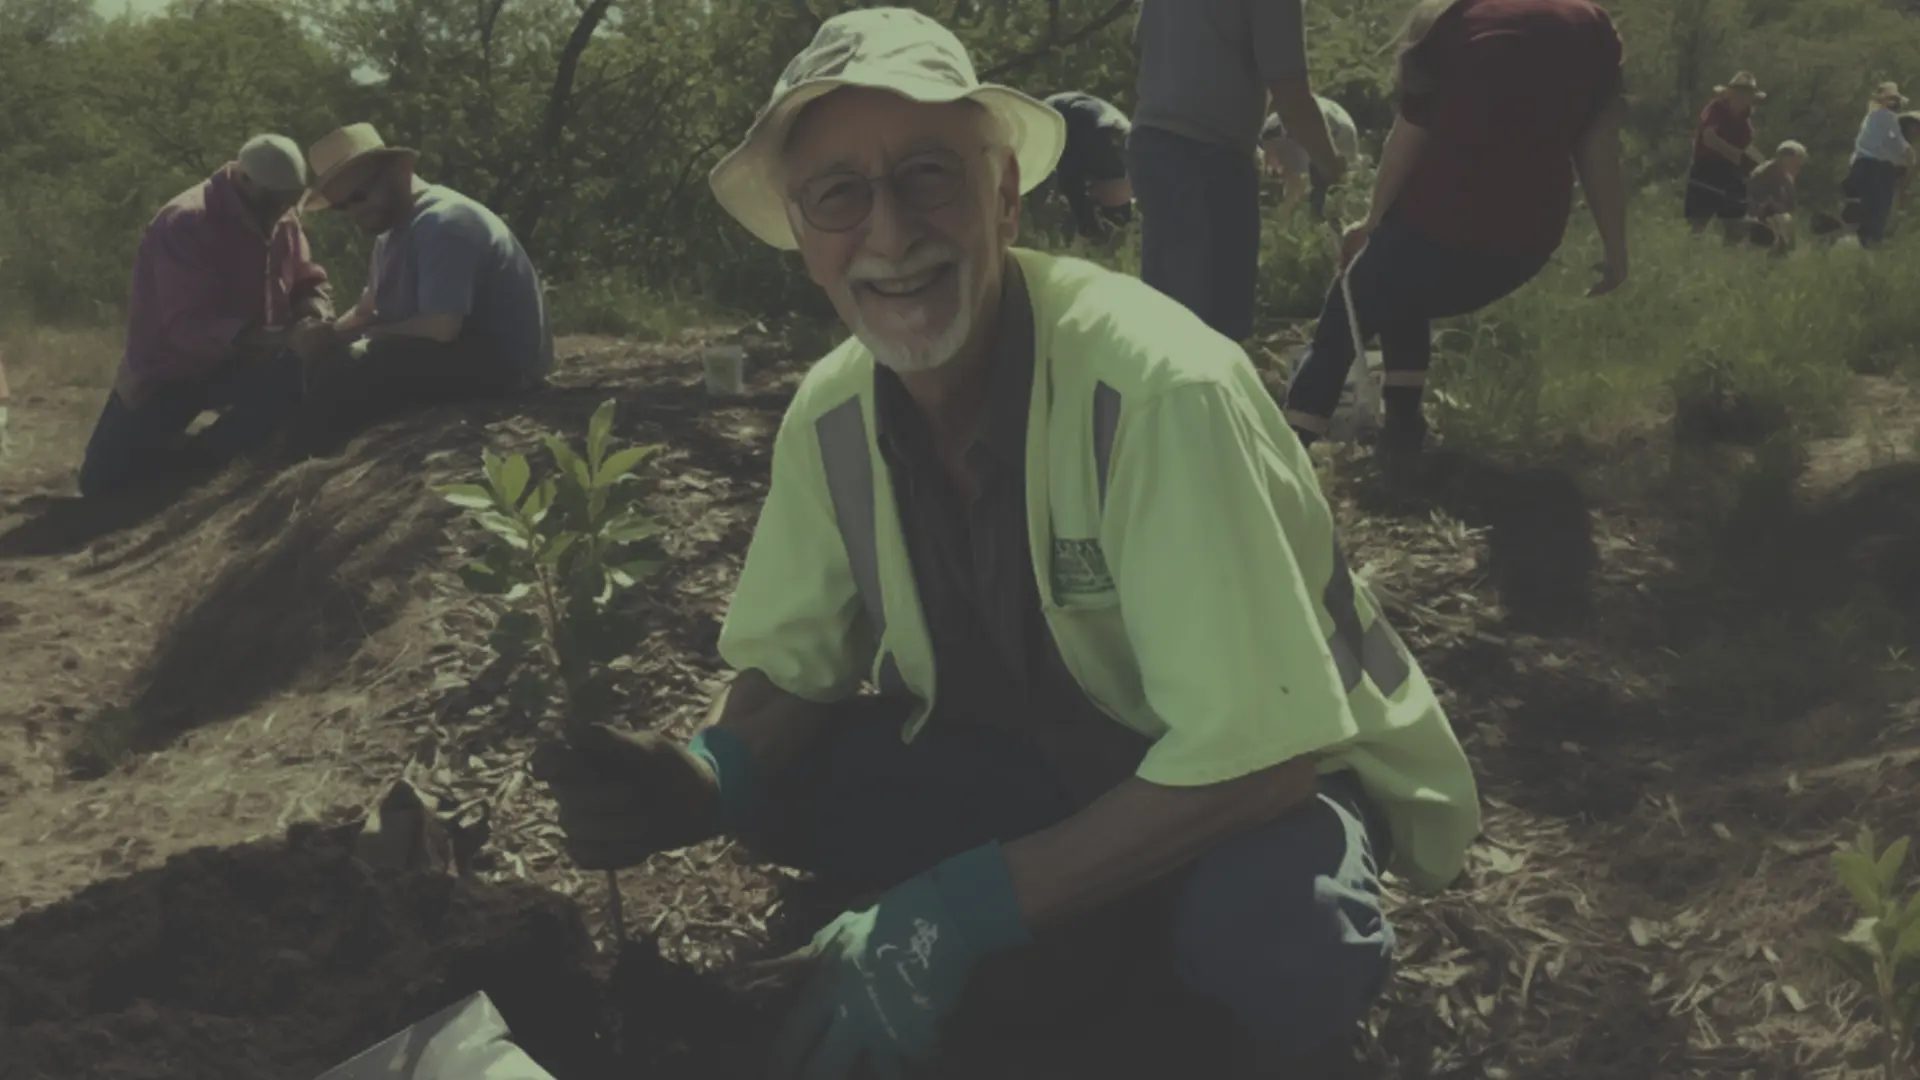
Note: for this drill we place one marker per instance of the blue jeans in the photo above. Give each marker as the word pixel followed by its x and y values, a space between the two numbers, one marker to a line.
pixel 1874 183
pixel 1401 282
pixel 129 445
pixel 1281 925
pixel 1199 225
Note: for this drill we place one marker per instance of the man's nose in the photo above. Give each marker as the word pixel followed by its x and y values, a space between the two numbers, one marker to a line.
pixel 891 228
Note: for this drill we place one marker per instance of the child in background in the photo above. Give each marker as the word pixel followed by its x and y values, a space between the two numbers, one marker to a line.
pixel 1773 196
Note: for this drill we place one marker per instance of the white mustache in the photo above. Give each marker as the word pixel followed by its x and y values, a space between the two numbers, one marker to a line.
pixel 873 268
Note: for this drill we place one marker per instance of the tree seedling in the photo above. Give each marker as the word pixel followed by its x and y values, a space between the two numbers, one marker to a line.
pixel 1882 950
pixel 564 549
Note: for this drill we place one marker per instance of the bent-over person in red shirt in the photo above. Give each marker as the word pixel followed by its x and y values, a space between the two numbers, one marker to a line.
pixel 1502 104
pixel 223 282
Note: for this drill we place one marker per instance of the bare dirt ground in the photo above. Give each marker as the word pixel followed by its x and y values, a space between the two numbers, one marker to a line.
pixel 1676 715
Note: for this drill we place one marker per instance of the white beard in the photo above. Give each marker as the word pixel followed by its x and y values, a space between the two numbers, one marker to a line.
pixel 904 343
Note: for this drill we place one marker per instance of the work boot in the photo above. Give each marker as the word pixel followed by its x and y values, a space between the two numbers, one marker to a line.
pixel 1400 443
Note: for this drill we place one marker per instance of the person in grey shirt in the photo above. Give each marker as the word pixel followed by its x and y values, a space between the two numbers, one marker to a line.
pixel 453 306
pixel 1207 69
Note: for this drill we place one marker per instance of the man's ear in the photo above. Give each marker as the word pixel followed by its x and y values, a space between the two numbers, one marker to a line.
pixel 1009 197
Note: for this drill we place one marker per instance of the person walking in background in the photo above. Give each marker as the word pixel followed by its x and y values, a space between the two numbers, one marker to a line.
pixel 1723 153
pixel 1879 153
pixel 223 286
pixel 1207 68
pixel 1290 163
pixel 452 308
pixel 1092 174
pixel 1773 195
pixel 1502 104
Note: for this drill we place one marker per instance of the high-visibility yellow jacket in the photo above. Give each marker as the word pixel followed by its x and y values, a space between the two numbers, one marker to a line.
pixel 1186 557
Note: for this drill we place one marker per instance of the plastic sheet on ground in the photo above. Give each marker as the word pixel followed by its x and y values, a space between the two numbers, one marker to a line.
pixel 467 1040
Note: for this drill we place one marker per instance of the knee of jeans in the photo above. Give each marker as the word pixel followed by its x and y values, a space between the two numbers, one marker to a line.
pixel 1285 928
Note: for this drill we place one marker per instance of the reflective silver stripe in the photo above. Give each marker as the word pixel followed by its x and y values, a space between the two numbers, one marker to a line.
pixel 1374 652
pixel 848 461
pixel 1106 420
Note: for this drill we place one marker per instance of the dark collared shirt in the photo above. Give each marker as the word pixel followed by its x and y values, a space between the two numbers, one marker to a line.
pixel 994 657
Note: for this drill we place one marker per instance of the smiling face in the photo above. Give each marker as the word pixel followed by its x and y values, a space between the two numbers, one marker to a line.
pixel 374 192
pixel 903 213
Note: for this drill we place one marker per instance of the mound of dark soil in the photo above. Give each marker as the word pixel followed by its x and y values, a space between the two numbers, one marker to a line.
pixel 284 959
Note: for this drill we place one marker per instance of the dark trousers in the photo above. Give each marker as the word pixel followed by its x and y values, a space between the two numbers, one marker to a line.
pixel 1401 282
pixel 1281 925
pixel 129 444
pixel 1199 225
pixel 1874 183
pixel 380 378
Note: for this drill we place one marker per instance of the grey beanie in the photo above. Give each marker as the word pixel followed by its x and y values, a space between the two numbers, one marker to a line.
pixel 275 163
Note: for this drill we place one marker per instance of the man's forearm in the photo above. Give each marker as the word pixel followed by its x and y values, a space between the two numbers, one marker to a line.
pixel 1597 160
pixel 1139 832
pixel 1293 100
pixel 1397 157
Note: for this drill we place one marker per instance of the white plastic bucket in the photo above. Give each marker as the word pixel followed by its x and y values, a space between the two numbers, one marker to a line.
pixel 725 367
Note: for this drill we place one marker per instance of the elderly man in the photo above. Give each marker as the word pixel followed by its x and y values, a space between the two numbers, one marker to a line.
pixel 1064 529
pixel 452 308
pixel 1092 175
pixel 222 284
pixel 1289 162
pixel 1207 68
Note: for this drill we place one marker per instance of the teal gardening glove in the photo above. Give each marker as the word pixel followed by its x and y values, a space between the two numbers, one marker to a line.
pixel 885 977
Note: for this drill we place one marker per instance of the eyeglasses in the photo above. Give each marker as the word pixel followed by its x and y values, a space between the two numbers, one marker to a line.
pixel 842 199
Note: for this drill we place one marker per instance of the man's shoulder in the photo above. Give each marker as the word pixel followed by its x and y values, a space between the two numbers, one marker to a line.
pixel 1126 333
pixel 444 209
pixel 832 379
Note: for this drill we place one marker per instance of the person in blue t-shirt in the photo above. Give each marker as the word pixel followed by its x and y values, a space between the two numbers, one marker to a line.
pixel 453 305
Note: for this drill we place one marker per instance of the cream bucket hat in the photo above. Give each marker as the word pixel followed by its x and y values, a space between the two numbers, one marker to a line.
pixel 892 49
pixel 331 156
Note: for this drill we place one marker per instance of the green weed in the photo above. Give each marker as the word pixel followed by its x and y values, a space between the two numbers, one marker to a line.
pixel 1882 950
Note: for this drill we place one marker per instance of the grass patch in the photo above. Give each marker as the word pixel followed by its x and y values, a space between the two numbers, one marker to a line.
pixel 1730 344
pixel 618 307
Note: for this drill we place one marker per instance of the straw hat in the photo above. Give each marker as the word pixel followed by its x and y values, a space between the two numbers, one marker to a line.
pixel 892 49
pixel 1888 94
pixel 335 153
pixel 1743 80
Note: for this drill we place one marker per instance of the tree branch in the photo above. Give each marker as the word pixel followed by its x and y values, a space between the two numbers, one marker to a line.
pixel 1054 40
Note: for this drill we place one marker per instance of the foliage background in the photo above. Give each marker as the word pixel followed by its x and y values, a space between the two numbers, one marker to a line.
pixel 590 124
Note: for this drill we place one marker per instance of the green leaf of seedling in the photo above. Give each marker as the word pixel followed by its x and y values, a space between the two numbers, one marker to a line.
pixel 1908 945
pixel 1861 877
pixel 567 461
pixel 485 580
pixel 503 527
pixel 620 463
pixel 491 464
pixel 628 575
pixel 1890 863
pixel 629 528
pixel 599 430
pixel 557 548
pixel 514 474
pixel 468 496
pixel 539 501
